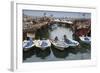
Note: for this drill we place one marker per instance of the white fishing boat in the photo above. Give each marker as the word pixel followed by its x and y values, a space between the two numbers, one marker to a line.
pixel 42 49
pixel 85 39
pixel 58 49
pixel 27 45
pixel 60 44
pixel 42 44
pixel 28 48
pixel 71 42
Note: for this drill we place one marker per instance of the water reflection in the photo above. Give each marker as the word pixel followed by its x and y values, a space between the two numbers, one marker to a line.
pixel 60 31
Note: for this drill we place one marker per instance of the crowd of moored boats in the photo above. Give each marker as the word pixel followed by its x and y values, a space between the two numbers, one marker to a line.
pixel 42 47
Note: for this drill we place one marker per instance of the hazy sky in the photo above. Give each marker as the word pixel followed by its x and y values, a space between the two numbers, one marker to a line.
pixel 57 14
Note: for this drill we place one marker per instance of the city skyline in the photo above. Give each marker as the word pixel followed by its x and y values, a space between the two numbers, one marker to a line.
pixel 58 14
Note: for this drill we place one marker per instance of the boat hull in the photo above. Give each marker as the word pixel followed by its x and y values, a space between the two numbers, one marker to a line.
pixel 42 53
pixel 58 52
pixel 28 53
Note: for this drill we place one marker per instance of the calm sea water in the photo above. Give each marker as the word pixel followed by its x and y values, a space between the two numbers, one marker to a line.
pixel 60 32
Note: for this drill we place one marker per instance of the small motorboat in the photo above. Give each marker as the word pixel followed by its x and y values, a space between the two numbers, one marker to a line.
pixel 42 48
pixel 60 44
pixel 58 49
pixel 27 45
pixel 43 44
pixel 28 49
pixel 85 39
pixel 71 42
